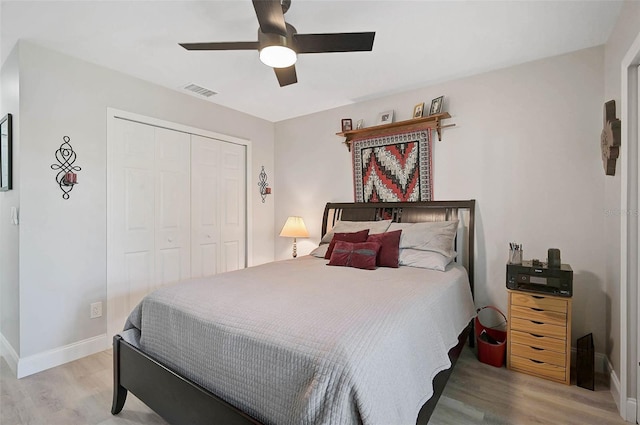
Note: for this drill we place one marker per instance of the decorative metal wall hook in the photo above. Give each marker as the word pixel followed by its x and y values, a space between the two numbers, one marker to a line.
pixel 66 177
pixel 263 185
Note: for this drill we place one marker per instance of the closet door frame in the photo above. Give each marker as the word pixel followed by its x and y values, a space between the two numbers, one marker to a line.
pixel 114 114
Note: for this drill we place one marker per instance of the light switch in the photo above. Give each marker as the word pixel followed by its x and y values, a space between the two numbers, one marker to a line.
pixel 14 216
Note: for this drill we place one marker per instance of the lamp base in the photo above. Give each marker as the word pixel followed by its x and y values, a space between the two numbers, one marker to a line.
pixel 295 250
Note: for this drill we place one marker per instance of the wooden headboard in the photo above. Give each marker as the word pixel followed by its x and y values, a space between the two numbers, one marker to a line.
pixel 412 212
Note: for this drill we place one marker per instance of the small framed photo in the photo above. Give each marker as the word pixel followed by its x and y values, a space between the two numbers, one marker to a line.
pixel 347 124
pixel 417 110
pixel 436 105
pixel 360 124
pixel 385 117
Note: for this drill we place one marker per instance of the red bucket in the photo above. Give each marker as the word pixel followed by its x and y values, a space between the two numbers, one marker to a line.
pixel 491 353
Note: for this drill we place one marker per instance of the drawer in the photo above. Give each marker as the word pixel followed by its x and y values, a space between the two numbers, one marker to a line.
pixel 539 354
pixel 539 301
pixel 538 328
pixel 541 369
pixel 546 316
pixel 548 343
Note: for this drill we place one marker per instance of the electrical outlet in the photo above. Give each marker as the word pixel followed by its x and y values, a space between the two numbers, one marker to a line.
pixel 96 310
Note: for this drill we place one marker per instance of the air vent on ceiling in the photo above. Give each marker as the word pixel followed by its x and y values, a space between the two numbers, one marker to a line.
pixel 199 90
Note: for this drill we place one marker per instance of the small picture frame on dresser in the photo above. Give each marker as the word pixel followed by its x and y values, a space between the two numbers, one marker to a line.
pixel 347 124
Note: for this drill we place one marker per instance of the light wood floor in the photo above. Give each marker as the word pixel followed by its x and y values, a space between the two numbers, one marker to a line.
pixel 79 393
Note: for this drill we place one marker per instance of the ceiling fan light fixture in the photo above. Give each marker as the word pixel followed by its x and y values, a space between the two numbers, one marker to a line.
pixel 278 56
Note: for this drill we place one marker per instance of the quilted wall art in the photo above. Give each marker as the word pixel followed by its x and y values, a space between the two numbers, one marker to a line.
pixel 393 168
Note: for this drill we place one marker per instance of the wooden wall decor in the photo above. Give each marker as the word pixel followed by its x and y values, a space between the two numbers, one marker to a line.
pixel 610 138
pixel 432 122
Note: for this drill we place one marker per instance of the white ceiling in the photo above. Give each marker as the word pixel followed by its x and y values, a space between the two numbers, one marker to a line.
pixel 417 43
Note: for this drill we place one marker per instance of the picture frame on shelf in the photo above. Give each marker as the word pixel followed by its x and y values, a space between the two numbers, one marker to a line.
pixel 385 117
pixel 436 105
pixel 359 124
pixel 6 136
pixel 347 124
pixel 418 110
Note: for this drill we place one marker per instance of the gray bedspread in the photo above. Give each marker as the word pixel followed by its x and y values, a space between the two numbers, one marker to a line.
pixel 300 342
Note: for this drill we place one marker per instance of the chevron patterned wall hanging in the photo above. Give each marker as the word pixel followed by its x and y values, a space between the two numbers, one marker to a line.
pixel 393 168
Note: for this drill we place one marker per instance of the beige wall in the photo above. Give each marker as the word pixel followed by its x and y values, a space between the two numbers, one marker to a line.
pixel 627 29
pixel 9 240
pixel 63 243
pixel 525 146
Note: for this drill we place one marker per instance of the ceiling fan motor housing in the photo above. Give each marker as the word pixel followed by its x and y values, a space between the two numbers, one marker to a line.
pixel 272 39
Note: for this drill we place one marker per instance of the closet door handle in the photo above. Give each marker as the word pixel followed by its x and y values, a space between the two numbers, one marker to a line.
pixel 170 240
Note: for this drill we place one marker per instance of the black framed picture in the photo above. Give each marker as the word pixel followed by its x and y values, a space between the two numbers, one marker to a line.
pixel 436 105
pixel 6 135
pixel 347 124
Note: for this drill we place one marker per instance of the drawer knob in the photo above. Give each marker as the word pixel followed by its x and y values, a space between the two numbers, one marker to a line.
pixel 536 336
pixel 537 348
pixel 538 297
pixel 536 322
pixel 536 309
pixel 536 361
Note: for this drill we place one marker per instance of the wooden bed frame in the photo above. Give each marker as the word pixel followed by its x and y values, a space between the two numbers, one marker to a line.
pixel 180 401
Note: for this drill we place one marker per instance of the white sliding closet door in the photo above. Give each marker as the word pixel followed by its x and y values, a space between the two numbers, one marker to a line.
pixel 233 200
pixel 218 214
pixel 177 209
pixel 172 206
pixel 205 218
pixel 149 196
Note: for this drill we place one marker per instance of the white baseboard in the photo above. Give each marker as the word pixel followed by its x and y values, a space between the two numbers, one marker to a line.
pixel 61 355
pixel 9 354
pixel 601 362
pixel 628 409
pixel 614 386
pixel 632 409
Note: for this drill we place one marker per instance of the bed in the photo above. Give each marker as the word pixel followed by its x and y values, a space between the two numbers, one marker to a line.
pixel 299 342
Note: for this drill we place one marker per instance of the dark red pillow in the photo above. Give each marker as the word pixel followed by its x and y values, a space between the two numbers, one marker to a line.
pixel 389 248
pixel 360 236
pixel 360 255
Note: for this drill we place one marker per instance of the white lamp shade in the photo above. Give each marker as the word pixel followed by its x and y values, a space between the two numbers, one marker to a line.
pixel 278 56
pixel 294 228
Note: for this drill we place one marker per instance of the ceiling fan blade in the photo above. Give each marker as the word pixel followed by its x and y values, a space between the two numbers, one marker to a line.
pixel 286 76
pixel 337 42
pixel 270 16
pixel 232 45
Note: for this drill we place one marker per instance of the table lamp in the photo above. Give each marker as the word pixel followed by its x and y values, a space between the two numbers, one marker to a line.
pixel 294 228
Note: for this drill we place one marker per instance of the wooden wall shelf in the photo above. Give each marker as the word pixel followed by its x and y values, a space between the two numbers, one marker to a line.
pixel 424 123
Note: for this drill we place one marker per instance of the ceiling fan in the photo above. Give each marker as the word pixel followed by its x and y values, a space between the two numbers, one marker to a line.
pixel 279 43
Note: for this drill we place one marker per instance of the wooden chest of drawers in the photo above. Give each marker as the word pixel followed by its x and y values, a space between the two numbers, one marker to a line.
pixel 539 335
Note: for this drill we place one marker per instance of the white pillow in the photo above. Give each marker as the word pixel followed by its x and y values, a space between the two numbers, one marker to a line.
pixel 436 236
pixel 423 259
pixel 320 251
pixel 355 226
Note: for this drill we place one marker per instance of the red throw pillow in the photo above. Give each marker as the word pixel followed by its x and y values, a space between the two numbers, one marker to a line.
pixel 389 248
pixel 359 255
pixel 360 236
